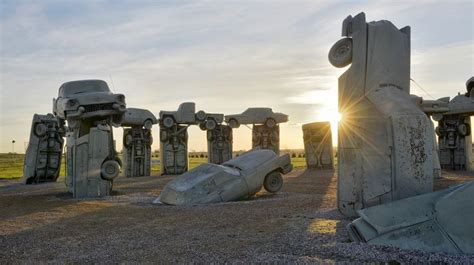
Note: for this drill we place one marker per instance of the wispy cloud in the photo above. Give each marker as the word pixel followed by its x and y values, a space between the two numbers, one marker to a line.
pixel 225 56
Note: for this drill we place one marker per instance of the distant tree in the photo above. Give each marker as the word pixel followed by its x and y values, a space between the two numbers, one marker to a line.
pixel 300 155
pixel 202 155
pixel 293 155
pixel 237 154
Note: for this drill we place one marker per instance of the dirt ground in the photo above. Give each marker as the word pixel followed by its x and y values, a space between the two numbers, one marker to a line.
pixel 44 224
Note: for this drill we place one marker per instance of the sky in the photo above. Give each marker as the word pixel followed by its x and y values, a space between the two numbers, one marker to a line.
pixel 224 55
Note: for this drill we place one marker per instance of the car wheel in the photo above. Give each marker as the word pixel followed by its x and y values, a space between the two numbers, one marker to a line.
pixel 40 129
pixel 233 123
pixel 110 169
pixel 340 54
pixel 463 129
pixel 148 124
pixel 168 122
pixel 200 115
pixel 211 125
pixel 273 182
pixel 270 123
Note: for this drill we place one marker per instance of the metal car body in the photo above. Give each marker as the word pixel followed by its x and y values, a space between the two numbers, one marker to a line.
pixel 437 222
pixel 87 99
pixel 43 155
pixel 385 141
pixel 186 114
pixel 256 116
pixel 236 179
pixel 134 117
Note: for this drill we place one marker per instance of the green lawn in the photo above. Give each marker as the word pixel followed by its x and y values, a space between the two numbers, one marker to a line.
pixel 11 165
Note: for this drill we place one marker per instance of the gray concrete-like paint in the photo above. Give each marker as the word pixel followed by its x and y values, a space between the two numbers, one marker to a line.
pixel 43 156
pixel 385 142
pixel 256 116
pixel 174 149
pixel 435 222
pixel 219 144
pixel 454 131
pixel 137 151
pixel 264 137
pixel 90 109
pixel 236 179
pixel 318 149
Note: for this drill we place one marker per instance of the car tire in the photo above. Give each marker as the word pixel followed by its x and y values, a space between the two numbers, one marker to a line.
pixel 340 54
pixel 200 115
pixel 211 125
pixel 148 124
pixel 464 129
pixel 110 169
pixel 270 123
pixel 168 122
pixel 40 129
pixel 273 182
pixel 233 123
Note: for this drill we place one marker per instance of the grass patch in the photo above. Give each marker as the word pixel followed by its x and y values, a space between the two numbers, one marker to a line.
pixel 11 165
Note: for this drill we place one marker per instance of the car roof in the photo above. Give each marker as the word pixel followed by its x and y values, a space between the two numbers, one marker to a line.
pixel 83 86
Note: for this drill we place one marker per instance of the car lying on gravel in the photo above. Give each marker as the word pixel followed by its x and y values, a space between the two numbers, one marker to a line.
pixel 437 222
pixel 86 99
pixel 236 179
pixel 256 116
pixel 138 118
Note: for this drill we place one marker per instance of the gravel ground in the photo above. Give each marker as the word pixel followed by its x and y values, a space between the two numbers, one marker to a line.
pixel 44 224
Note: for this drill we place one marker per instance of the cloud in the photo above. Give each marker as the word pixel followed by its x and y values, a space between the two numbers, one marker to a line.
pixel 226 56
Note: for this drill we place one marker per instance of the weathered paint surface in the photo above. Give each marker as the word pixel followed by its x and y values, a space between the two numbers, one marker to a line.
pixel 45 148
pixel 264 137
pixel 436 222
pixel 235 179
pixel 137 151
pixel 385 146
pixel 174 149
pixel 219 144
pixel 317 139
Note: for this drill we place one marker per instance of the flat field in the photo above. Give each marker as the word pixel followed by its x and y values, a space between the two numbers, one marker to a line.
pixel 11 165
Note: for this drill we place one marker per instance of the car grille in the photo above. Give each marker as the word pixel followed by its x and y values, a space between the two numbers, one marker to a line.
pixel 97 107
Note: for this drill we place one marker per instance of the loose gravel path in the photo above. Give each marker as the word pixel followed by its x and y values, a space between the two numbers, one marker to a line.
pixel 44 224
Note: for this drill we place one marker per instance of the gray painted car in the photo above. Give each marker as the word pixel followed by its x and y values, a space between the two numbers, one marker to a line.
pixel 134 117
pixel 236 179
pixel 437 222
pixel 256 116
pixel 43 156
pixel 87 98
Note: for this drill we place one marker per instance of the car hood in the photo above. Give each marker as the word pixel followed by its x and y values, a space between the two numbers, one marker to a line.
pixel 200 185
pixel 252 159
pixel 95 97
